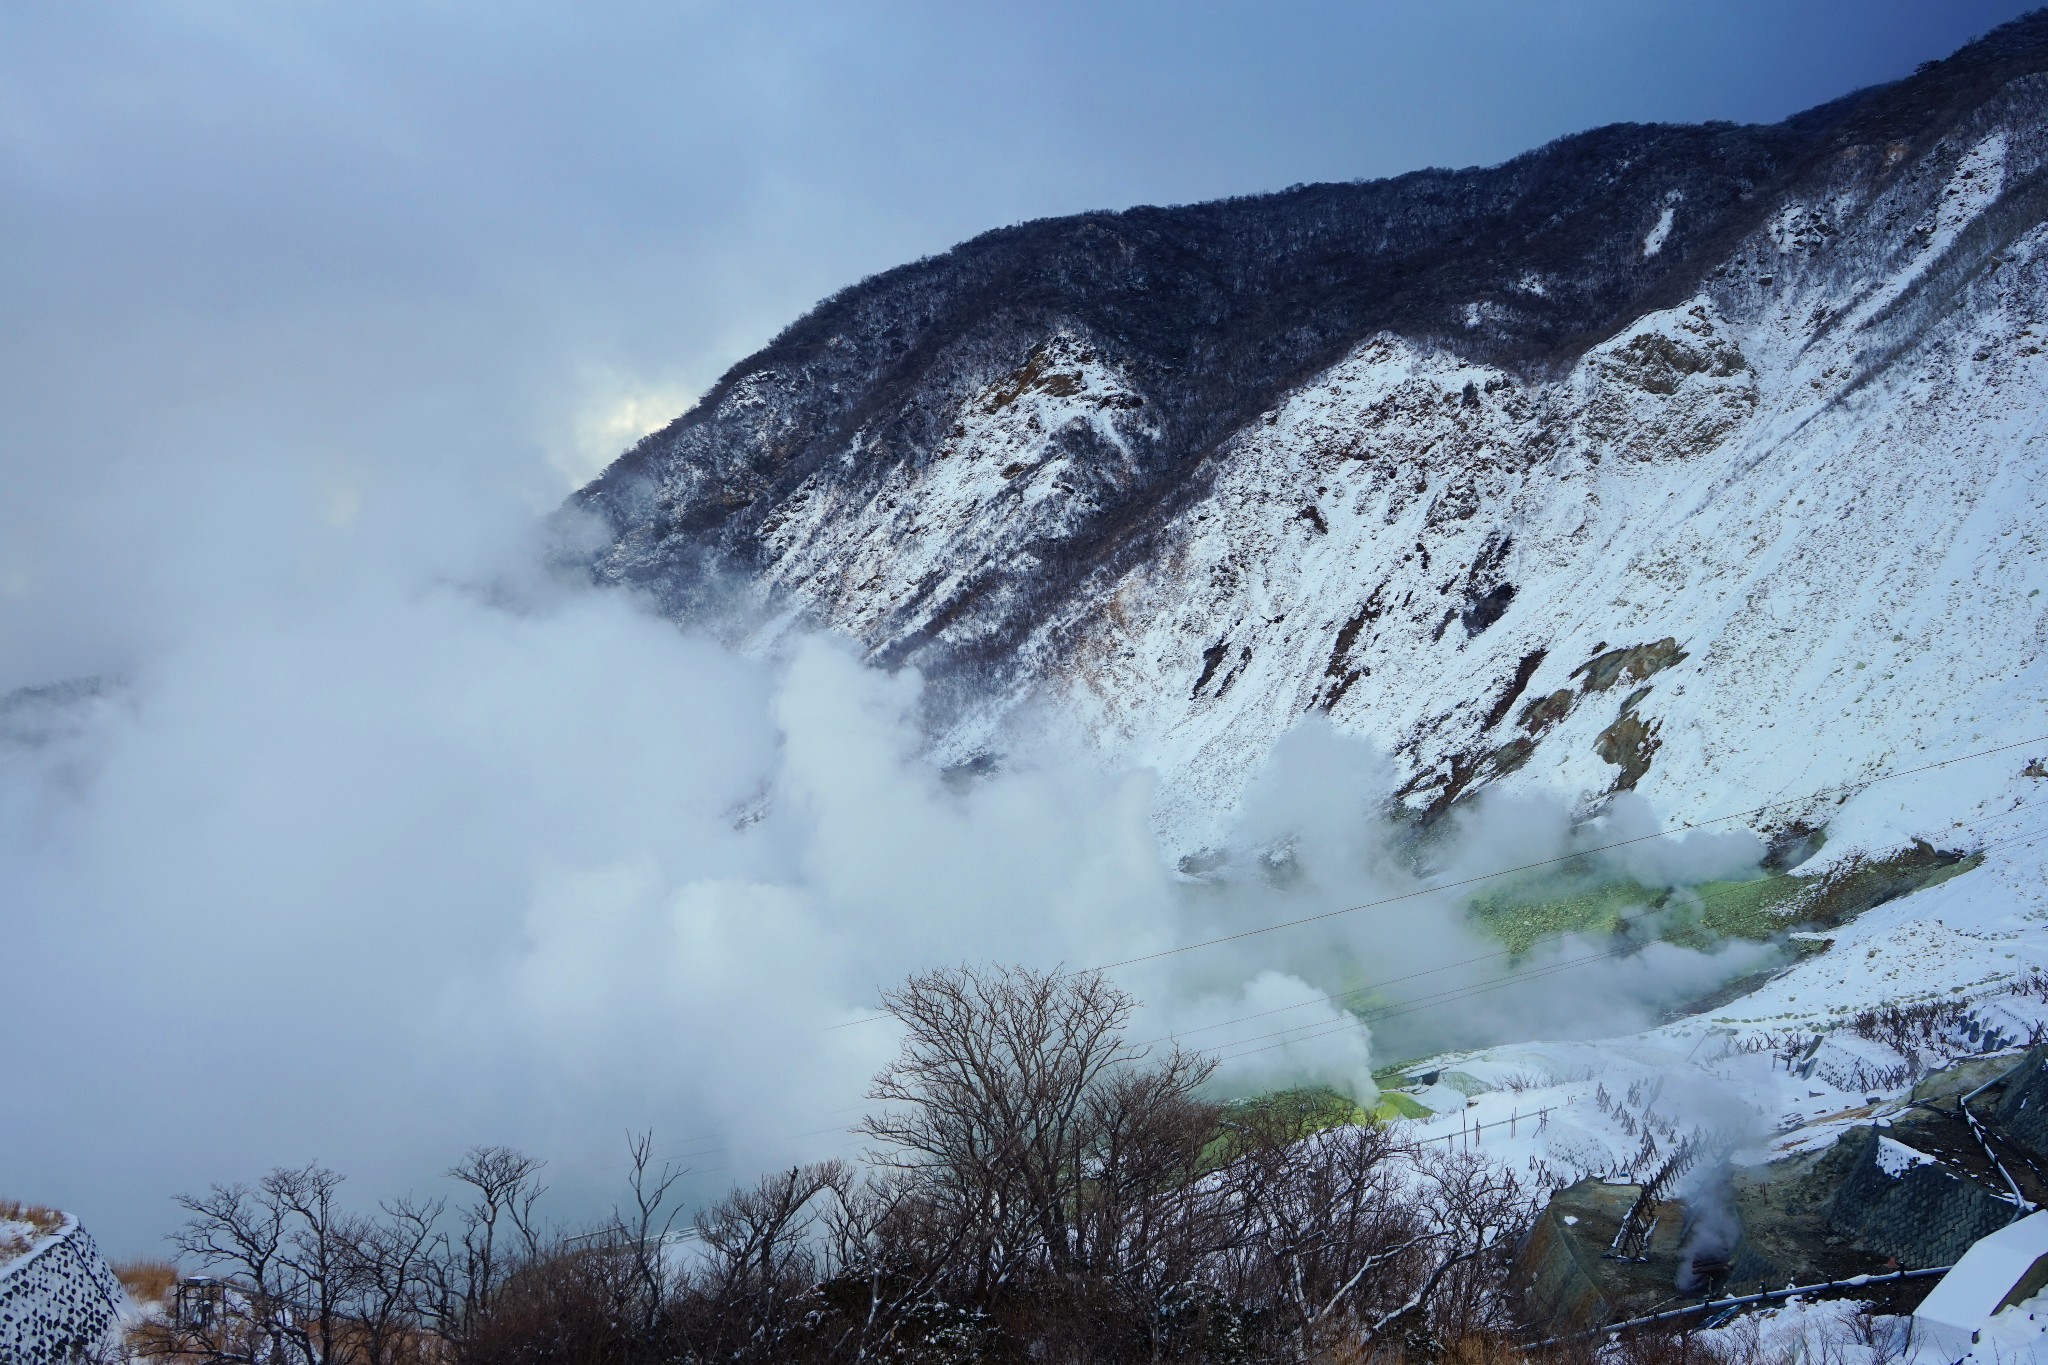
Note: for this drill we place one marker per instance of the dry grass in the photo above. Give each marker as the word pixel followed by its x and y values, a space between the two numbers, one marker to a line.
pixel 147 1281
pixel 44 1220
pixel 41 1222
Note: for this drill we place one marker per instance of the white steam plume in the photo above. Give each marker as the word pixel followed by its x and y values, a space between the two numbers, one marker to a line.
pixel 383 866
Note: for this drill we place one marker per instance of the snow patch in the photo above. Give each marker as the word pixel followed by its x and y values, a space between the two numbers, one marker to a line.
pixel 1895 1158
pixel 1654 242
pixel 1030 456
pixel 1976 181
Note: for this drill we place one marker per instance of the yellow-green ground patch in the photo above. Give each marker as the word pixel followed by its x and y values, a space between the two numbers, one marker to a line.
pixel 1395 1105
pixel 1523 915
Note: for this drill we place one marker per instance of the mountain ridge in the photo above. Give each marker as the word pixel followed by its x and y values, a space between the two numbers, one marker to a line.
pixel 984 476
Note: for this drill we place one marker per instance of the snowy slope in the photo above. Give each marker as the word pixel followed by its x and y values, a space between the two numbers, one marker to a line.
pixel 1813 471
pixel 883 560
pixel 1832 513
pixel 1698 463
pixel 1842 538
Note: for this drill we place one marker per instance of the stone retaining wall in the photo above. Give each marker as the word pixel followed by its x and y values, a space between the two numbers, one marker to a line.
pixel 56 1301
pixel 1927 1216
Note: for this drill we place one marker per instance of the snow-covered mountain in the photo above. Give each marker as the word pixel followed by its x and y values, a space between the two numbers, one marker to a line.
pixel 1696 460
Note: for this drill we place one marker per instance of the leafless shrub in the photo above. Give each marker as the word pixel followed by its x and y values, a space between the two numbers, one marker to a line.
pixel 1043 1191
pixel 1882 1338
pixel 1927 1036
pixel 560 1306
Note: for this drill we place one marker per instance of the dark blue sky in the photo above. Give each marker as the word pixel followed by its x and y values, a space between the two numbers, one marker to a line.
pixel 398 257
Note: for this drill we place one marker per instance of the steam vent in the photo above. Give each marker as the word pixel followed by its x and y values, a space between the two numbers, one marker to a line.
pixel 1899 1187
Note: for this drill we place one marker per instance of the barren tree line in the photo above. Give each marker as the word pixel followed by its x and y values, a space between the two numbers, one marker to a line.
pixel 1039 1190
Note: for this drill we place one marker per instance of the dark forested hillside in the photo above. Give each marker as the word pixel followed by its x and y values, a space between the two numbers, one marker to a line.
pixel 1212 311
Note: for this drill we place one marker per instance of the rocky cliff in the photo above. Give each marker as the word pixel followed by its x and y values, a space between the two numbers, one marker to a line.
pixel 1699 461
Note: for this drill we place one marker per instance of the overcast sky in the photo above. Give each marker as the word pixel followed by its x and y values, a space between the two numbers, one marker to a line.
pixel 354 263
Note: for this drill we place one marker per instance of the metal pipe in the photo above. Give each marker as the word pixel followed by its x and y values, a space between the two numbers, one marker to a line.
pixel 1984 1141
pixel 1747 1300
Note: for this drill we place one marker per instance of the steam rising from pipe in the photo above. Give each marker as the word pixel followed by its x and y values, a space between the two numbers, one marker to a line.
pixel 1712 1232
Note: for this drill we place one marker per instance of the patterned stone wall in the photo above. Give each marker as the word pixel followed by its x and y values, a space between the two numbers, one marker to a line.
pixel 56 1301
pixel 1926 1216
pixel 2023 1113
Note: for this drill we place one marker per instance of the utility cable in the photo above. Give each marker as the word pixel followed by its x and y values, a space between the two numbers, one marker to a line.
pixel 1620 922
pixel 1561 858
pixel 1448 998
pixel 1481 988
pixel 1237 1048
pixel 1538 865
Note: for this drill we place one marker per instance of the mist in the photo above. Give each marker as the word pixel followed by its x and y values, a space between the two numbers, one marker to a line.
pixel 408 845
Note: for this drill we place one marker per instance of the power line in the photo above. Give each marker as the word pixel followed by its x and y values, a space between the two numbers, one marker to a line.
pixel 722 1142
pixel 1538 865
pixel 1448 998
pixel 1552 862
pixel 1237 1048
pixel 720 1139
pixel 1440 998
pixel 1620 922
pixel 2016 839
pixel 1501 983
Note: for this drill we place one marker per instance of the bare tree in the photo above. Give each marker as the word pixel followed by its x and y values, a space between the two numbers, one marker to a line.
pixel 1325 1222
pixel 1147 1216
pixel 304 1279
pixel 317 1253
pixel 498 1233
pixel 645 1232
pixel 1011 1088
pixel 761 1256
pixel 891 1250
pixel 1043 1190
pixel 395 1269
pixel 241 1232
pixel 1365 1244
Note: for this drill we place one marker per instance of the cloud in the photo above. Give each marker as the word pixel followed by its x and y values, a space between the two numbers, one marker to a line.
pixel 617 413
